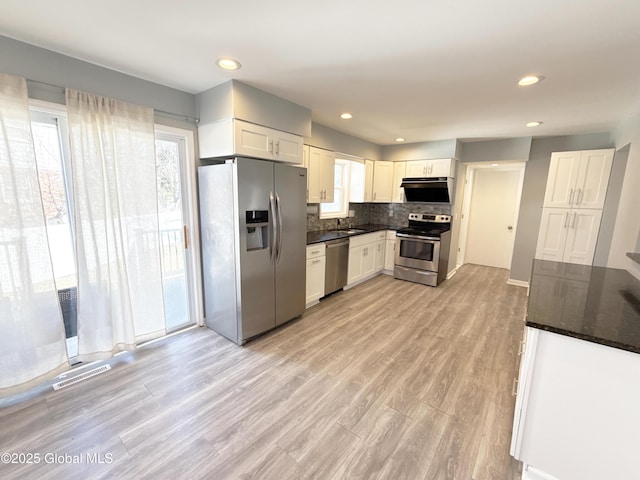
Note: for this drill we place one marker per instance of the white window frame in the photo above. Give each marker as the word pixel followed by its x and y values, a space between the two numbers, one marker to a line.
pixel 344 192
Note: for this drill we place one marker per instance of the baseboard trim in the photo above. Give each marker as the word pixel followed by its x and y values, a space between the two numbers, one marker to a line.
pixel 518 283
pixel 452 273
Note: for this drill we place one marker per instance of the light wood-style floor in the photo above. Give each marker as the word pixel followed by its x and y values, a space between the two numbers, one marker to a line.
pixel 389 380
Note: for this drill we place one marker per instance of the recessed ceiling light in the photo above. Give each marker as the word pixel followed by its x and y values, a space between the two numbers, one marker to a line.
pixel 495 165
pixel 529 80
pixel 399 139
pixel 346 116
pixel 227 63
pixel 533 124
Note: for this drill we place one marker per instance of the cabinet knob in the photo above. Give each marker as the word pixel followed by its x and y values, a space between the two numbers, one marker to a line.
pixel 510 227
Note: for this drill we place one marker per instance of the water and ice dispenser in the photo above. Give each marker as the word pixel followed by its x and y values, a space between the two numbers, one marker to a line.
pixel 257 229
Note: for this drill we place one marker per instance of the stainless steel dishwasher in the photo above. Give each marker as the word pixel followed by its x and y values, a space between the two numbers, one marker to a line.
pixel 337 264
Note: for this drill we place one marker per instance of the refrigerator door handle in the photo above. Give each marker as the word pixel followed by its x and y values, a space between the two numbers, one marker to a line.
pixel 274 223
pixel 279 251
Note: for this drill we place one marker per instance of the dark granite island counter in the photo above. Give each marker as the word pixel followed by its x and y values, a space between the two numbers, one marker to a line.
pixel 595 304
pixel 578 390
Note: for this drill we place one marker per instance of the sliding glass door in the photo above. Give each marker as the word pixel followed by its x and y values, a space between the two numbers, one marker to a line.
pixel 50 137
pixel 171 161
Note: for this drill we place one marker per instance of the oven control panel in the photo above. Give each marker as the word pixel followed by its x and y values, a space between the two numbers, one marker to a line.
pixel 430 217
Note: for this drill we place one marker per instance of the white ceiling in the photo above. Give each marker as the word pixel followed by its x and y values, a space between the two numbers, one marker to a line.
pixel 423 70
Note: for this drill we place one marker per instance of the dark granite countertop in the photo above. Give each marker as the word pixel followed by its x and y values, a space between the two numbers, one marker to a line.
pixel 596 304
pixel 326 235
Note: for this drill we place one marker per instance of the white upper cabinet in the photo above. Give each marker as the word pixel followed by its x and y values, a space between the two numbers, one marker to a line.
pixel 382 182
pixel 417 168
pixel 574 198
pixel 305 157
pixel 583 228
pixel 568 235
pixel 578 179
pixel 320 175
pixel 236 137
pixel 441 167
pixel 368 180
pixel 399 172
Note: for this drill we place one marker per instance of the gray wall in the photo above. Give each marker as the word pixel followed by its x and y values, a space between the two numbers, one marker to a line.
pixel 535 182
pixel 40 65
pixel 330 139
pixel 422 151
pixel 610 210
pixel 235 99
pixel 626 235
pixel 511 149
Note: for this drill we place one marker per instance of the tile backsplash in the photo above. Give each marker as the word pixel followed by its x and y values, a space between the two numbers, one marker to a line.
pixel 394 214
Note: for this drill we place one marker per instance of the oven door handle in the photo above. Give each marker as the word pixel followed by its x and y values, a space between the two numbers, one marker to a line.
pixel 417 237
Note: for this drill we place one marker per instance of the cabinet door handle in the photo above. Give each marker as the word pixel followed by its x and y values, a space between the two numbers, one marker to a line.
pixel 566 220
pixel 375 194
pixel 316 261
pixel 277 149
pixel 271 146
pixel 514 388
pixel 579 198
pixel 575 216
pixel 571 197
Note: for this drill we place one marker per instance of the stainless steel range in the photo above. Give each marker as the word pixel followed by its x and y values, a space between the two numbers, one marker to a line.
pixel 422 249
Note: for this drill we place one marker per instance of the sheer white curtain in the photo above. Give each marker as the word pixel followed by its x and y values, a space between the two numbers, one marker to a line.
pixel 32 338
pixel 113 162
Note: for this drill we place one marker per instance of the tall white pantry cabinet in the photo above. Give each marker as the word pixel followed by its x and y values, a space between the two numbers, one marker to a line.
pixel 573 202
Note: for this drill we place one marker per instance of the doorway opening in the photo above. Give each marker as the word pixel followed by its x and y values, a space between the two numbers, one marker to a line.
pixel 490 213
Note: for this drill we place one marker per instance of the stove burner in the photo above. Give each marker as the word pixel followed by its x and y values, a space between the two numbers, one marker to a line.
pixel 426 231
pixel 427 225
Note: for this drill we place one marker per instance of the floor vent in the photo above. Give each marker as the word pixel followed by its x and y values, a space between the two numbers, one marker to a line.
pixel 81 377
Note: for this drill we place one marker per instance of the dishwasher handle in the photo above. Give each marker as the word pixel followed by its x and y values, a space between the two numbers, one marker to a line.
pixel 337 244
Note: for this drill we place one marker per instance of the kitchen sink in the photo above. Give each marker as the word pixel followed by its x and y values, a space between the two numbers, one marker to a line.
pixel 349 230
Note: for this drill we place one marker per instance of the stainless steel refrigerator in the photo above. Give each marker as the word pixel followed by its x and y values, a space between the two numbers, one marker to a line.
pixel 253 229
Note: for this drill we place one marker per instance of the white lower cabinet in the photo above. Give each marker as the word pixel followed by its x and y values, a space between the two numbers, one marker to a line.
pixel 315 273
pixel 366 256
pixel 576 409
pixel 390 252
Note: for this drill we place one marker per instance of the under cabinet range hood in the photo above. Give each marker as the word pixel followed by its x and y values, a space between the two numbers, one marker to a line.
pixel 428 189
